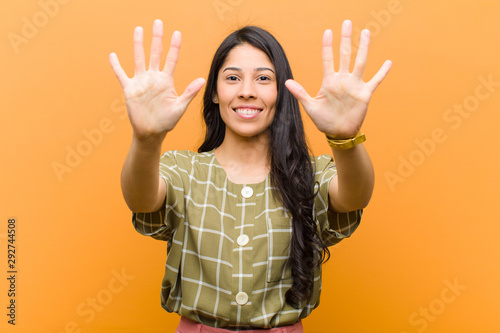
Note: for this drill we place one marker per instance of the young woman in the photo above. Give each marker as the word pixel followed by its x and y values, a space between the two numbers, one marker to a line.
pixel 249 217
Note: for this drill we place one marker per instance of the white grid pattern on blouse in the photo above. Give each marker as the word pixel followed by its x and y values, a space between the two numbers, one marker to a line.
pixel 206 267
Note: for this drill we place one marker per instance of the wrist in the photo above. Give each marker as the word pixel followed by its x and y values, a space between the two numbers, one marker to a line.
pixel 340 136
pixel 345 143
pixel 149 145
pixel 150 139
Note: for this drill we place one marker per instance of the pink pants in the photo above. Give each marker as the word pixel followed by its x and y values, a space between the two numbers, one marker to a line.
pixel 189 326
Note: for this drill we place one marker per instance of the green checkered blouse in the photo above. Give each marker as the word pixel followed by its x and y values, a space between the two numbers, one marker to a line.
pixel 228 243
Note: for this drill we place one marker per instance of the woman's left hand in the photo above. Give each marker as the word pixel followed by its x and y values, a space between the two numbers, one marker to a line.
pixel 340 107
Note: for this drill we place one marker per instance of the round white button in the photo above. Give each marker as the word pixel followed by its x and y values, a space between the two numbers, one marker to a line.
pixel 242 240
pixel 247 192
pixel 241 298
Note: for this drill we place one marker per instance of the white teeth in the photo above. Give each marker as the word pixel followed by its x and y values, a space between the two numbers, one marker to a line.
pixel 247 111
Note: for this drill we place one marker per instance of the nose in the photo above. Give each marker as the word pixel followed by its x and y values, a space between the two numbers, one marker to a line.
pixel 247 89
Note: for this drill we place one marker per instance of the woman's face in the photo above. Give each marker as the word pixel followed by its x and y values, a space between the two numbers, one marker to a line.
pixel 247 92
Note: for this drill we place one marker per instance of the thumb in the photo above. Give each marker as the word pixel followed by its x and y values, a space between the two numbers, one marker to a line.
pixel 117 69
pixel 299 92
pixel 191 90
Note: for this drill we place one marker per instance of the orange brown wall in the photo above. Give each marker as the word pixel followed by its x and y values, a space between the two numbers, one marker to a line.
pixel 425 258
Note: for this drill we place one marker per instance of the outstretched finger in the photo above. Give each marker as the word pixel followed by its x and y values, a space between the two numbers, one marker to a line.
pixel 380 75
pixel 191 90
pixel 327 54
pixel 156 46
pixel 117 69
pixel 359 65
pixel 299 92
pixel 173 53
pixel 345 47
pixel 140 65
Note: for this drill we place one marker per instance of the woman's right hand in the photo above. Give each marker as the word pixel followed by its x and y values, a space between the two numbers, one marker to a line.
pixel 153 106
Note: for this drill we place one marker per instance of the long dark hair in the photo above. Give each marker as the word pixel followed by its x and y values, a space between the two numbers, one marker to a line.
pixel 291 169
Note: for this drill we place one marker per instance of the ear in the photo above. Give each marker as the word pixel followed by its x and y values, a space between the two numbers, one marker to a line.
pixel 215 99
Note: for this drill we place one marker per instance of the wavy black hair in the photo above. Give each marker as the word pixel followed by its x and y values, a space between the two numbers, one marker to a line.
pixel 291 172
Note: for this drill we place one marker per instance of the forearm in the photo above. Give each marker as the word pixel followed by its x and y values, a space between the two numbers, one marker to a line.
pixel 353 186
pixel 140 180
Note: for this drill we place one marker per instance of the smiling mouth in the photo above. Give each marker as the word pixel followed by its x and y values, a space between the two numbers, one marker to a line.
pixel 246 111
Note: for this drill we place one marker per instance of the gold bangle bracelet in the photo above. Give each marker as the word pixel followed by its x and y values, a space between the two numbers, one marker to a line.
pixel 344 144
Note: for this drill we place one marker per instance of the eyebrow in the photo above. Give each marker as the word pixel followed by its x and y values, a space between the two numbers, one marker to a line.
pixel 238 69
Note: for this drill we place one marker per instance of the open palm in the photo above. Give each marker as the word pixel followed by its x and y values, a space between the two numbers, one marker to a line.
pixel 153 105
pixel 341 105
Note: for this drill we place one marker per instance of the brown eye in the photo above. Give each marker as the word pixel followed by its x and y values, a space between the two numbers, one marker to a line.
pixel 264 78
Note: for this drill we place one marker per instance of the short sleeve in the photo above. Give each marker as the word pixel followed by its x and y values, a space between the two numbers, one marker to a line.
pixel 162 223
pixel 333 226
